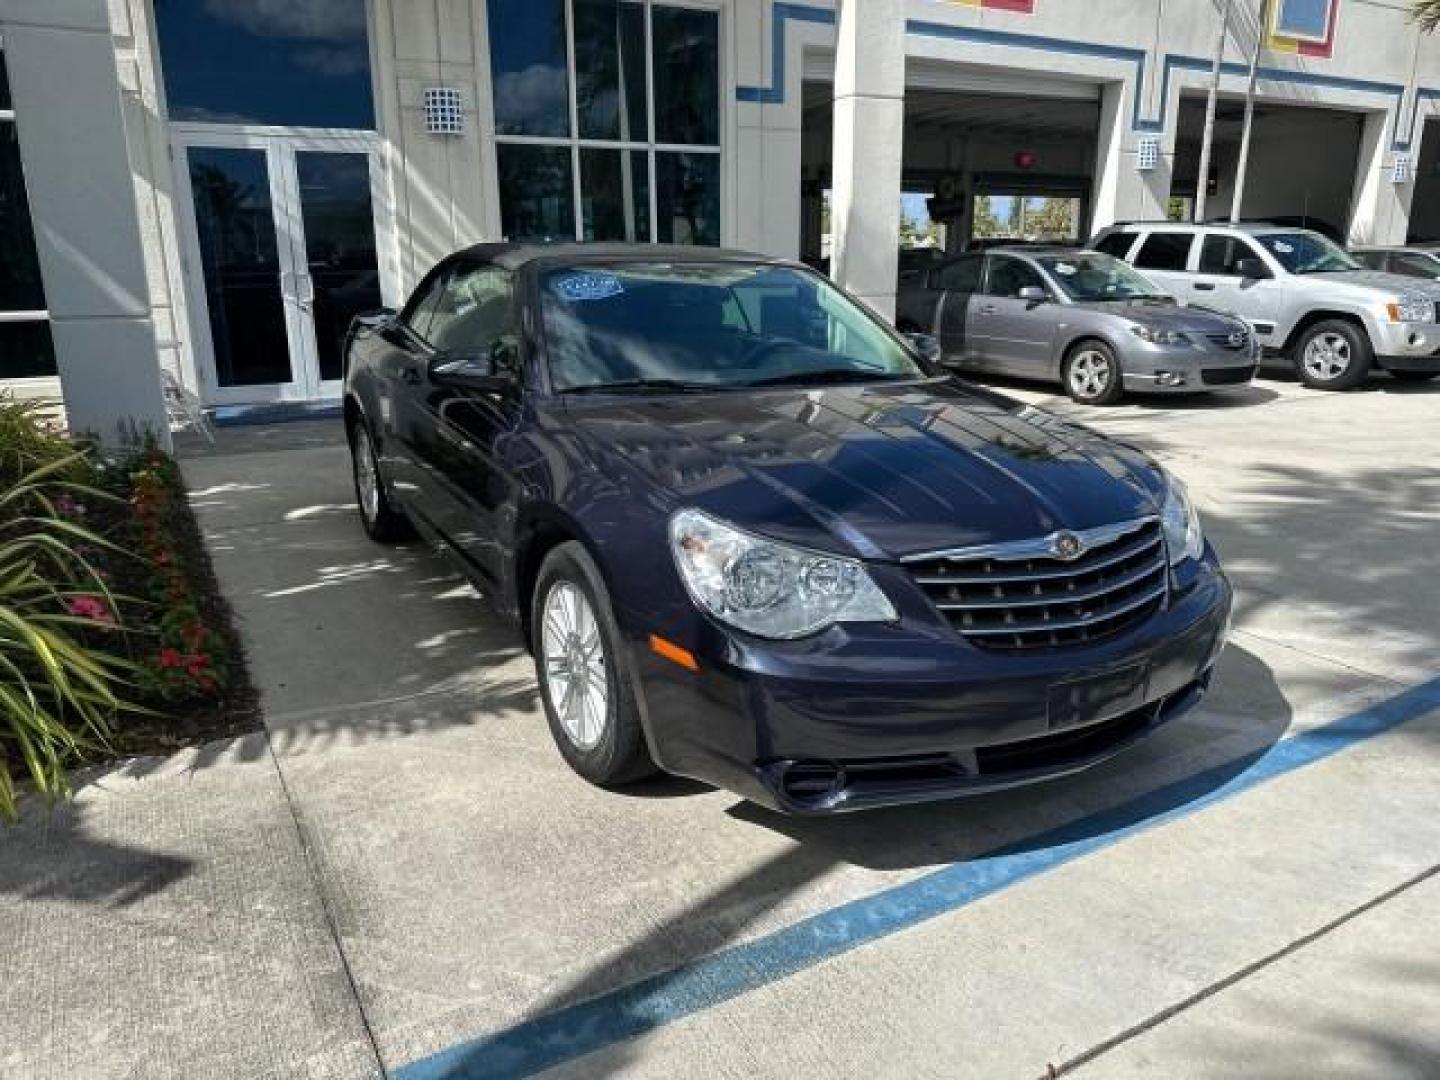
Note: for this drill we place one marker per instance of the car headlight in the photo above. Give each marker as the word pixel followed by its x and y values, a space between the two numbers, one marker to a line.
pixel 1183 538
pixel 1158 337
pixel 1411 308
pixel 767 588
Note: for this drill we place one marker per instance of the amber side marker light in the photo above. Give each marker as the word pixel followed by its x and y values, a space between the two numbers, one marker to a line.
pixel 674 653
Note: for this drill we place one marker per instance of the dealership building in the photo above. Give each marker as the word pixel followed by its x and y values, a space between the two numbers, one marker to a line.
pixel 203 192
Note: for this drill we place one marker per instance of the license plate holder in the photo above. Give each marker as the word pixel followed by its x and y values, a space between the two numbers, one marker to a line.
pixel 1096 698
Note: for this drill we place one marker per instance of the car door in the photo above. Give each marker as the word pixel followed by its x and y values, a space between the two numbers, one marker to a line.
pixel 1233 276
pixel 1013 335
pixel 467 483
pixel 1164 258
pixel 954 286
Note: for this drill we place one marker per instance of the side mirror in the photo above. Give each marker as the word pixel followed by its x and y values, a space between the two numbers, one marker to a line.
pixel 1033 294
pixel 477 371
pixel 1251 269
pixel 926 345
pixel 377 319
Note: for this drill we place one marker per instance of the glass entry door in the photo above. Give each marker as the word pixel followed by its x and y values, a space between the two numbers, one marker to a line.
pixel 281 254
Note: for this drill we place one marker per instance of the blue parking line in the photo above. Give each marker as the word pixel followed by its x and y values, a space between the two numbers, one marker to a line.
pixel 624 1013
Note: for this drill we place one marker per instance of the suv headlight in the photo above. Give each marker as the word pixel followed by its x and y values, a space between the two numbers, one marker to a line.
pixel 1183 538
pixel 1159 337
pixel 1411 308
pixel 767 588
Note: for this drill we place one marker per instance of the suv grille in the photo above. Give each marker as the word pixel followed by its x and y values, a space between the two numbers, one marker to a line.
pixel 1022 596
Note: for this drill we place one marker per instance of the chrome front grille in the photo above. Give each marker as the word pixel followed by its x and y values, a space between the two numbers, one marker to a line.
pixel 1027 596
pixel 1227 342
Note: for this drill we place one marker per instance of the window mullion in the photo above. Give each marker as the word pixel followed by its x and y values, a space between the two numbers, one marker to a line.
pixel 573 72
pixel 650 121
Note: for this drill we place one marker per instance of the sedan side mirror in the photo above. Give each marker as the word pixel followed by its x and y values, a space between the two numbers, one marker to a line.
pixel 1251 269
pixel 482 372
pixel 1033 294
pixel 926 345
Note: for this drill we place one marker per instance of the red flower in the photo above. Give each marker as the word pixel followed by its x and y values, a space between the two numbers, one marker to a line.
pixel 171 658
pixel 90 607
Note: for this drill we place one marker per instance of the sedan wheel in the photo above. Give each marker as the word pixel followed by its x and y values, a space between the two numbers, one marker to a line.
pixel 1092 375
pixel 382 521
pixel 574 665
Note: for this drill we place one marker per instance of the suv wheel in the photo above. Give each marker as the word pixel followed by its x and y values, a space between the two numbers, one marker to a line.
pixel 582 666
pixel 1332 355
pixel 1092 374
pixel 381 520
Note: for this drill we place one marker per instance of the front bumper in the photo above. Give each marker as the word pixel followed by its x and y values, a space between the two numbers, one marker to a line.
pixel 1398 345
pixel 868 715
pixel 1186 369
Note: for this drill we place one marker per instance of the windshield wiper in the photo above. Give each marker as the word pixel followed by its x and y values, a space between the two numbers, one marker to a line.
pixel 826 375
pixel 659 386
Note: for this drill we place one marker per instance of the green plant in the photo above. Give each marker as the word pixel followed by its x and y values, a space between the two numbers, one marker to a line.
pixel 62 669
pixel 30 439
pixel 1426 14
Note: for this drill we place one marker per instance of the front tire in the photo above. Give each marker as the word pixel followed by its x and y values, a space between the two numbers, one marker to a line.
pixel 1332 355
pixel 382 521
pixel 583 671
pixel 1092 374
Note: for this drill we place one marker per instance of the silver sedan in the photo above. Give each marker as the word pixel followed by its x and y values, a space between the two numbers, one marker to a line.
pixel 1080 318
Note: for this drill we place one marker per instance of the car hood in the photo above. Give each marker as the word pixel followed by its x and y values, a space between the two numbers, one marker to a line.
pixel 1366 280
pixel 877 470
pixel 1167 315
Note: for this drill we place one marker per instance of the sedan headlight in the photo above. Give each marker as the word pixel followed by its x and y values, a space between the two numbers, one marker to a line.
pixel 1183 537
pixel 1159 337
pixel 1411 308
pixel 767 588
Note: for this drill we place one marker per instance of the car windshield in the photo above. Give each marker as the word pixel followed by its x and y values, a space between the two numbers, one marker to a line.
pixel 1090 275
pixel 719 325
pixel 1306 253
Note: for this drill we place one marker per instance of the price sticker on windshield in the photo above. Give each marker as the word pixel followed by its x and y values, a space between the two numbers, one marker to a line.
pixel 589 286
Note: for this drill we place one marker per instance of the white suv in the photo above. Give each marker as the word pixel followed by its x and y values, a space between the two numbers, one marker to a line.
pixel 1304 297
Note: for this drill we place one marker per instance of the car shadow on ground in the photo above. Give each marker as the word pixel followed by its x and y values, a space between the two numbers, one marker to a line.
pixel 1239 397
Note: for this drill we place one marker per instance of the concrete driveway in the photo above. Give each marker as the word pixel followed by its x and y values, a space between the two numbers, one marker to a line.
pixel 404 877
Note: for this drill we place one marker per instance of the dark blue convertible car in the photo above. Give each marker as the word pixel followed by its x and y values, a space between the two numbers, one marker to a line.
pixel 752 537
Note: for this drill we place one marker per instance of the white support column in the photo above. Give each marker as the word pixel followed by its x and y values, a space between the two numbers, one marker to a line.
pixel 1105 196
pixel 66 89
pixel 1380 209
pixel 867 149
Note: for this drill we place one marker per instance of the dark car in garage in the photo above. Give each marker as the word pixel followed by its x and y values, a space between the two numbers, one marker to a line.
pixel 751 537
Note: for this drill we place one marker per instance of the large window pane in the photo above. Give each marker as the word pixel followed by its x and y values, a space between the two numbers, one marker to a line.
pixel 300 62
pixel 615 195
pixel 537 194
pixel 687 75
pixel 610 70
pixel 26 350
pixel 20 288
pixel 687 198
pixel 527 67
pixel 5 105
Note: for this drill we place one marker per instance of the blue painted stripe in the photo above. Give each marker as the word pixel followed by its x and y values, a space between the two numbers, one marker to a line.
pixel 782 13
pixel 630 1011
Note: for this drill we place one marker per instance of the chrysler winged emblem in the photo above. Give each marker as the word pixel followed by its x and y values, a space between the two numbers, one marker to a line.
pixel 1066 546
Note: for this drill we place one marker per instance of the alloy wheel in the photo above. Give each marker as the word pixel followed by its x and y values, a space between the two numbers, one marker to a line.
pixel 1090 373
pixel 573 662
pixel 1326 357
pixel 367 475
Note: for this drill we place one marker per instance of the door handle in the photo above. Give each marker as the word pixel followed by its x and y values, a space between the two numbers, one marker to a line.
pixel 1201 286
pixel 988 309
pixel 307 292
pixel 410 375
pixel 287 285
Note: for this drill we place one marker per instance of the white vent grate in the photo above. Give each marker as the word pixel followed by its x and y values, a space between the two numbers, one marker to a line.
pixel 1147 154
pixel 443 112
pixel 1400 168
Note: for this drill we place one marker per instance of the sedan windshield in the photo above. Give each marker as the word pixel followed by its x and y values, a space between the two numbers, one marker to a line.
pixel 637 326
pixel 1090 275
pixel 1306 253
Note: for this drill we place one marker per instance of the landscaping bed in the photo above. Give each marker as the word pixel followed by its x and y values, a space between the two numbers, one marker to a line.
pixel 114 638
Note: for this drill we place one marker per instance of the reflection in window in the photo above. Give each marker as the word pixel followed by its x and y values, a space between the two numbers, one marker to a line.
pixel 537 195
pixel 301 62
pixel 687 198
pixel 595 59
pixel 26 347
pixel 615 195
pixel 610 70
pixel 687 75
pixel 527 67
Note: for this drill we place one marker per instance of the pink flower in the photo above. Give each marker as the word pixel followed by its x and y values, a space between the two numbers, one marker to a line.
pixel 171 658
pixel 90 607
